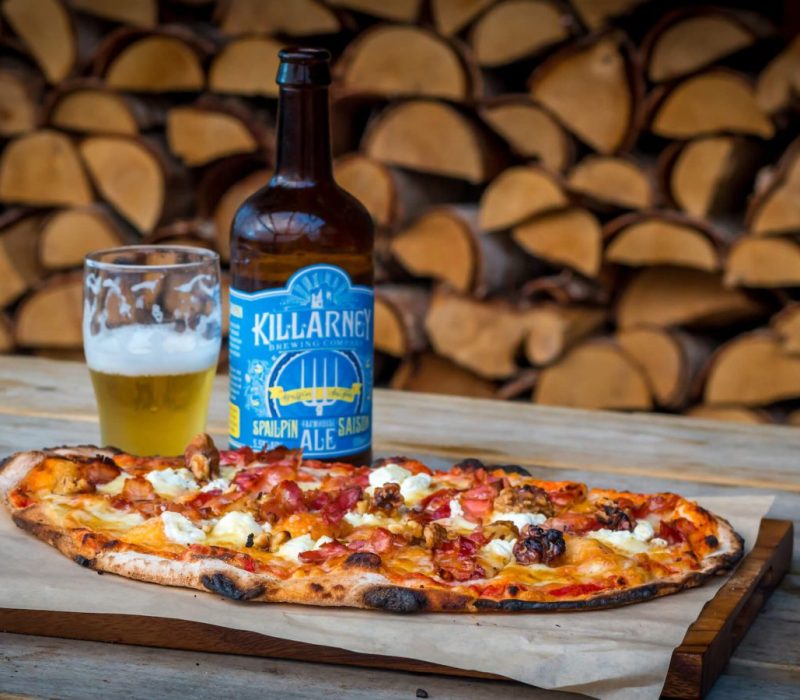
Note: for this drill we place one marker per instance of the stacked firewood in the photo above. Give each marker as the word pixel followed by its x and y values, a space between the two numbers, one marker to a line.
pixel 591 204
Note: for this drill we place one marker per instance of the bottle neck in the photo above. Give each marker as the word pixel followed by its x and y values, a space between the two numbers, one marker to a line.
pixel 304 140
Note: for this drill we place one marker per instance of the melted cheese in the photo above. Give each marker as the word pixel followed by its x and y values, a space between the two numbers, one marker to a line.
pixel 218 484
pixel 235 528
pixel 520 519
pixel 172 482
pixel 499 552
pixel 388 474
pixel 101 515
pixel 297 545
pixel 115 486
pixel 179 529
pixel 415 488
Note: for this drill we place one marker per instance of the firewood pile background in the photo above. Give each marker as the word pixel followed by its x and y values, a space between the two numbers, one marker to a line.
pixel 593 203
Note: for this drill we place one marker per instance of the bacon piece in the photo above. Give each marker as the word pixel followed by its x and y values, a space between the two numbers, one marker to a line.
pixel 325 552
pixel 456 559
pixel 477 501
pixel 567 494
pixel 657 503
pixel 675 532
pixel 237 458
pixel 575 523
pixel 370 539
pixel 100 471
pixel 138 489
pixel 333 505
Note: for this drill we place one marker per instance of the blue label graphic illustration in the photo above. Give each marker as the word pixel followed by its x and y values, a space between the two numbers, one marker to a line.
pixel 301 365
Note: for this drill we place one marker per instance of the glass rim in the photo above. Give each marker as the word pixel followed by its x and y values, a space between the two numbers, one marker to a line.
pixel 204 255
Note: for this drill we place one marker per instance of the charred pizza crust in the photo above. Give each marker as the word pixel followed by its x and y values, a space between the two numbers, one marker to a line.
pixel 356 584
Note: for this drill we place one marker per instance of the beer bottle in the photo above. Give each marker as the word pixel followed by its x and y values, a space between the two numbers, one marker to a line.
pixel 302 304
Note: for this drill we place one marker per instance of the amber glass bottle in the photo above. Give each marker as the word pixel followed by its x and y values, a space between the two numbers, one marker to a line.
pixel 301 330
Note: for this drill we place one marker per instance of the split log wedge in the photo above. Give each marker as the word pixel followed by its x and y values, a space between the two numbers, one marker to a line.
pixel 446 244
pixel 763 262
pixel 451 16
pixel 41 169
pixel 597 13
pixel 570 237
pixel 595 374
pixel 529 130
pixel 594 88
pixel 432 374
pixel 296 18
pixel 776 84
pixel 518 194
pixel 645 239
pixel 399 319
pixel 50 316
pixel 70 234
pixel 137 13
pixel 19 261
pixel 433 137
pixel 483 337
pixel 674 296
pixel 710 175
pixel 786 326
pixel 611 181
pixel 752 370
pixel 730 414
pixel 516 29
pixel 554 328
pixel 404 61
pixel 711 102
pixel 396 10
pixel 670 359
pixel 20 94
pixel 775 208
pixel 685 41
pixel 246 66
pixel 47 31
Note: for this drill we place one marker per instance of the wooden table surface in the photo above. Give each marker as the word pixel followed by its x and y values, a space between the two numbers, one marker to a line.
pixel 45 403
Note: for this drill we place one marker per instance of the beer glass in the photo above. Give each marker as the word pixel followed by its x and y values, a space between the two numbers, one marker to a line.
pixel 151 335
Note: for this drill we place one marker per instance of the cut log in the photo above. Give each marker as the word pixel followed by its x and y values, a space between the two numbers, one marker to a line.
pixel 529 130
pixel 19 264
pixel 687 40
pixel 597 13
pixel 446 244
pixel 595 374
pixel 6 334
pixel 570 237
pixel 50 316
pixel 432 374
pixel 611 181
pixel 451 16
pixel 20 93
pixel 763 262
pixel 554 328
pixel 594 87
pixel 483 337
pixel 201 133
pixel 433 137
pixel 41 169
pixel 405 61
pixel 517 194
pixel 564 288
pixel 157 63
pixel 775 208
pixel 131 175
pixel 46 30
pixel 392 196
pixel 396 10
pixel 297 18
pixel 399 319
pixel 67 236
pixel 644 239
pixel 776 84
pixel 674 296
pixel 137 13
pixel 711 102
pixel 246 66
pixel 786 326
pixel 752 370
pixel 730 414
pixel 87 106
pixel 671 361
pixel 516 29
pixel 709 176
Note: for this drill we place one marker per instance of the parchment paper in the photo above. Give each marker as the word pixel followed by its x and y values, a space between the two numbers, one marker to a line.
pixel 622 653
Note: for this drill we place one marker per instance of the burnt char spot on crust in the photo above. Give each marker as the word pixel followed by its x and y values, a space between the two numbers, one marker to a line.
pixel 395 599
pixel 712 541
pixel 470 464
pixel 220 583
pixel 83 561
pixel 635 595
pixel 363 560
pixel 316 587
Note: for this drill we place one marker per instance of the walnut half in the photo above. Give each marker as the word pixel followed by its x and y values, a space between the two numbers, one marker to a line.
pixel 202 457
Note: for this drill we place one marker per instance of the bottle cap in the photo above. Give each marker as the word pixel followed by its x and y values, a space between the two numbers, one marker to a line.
pixel 304 66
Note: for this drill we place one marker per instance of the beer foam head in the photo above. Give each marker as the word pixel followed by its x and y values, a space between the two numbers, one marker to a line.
pixel 140 350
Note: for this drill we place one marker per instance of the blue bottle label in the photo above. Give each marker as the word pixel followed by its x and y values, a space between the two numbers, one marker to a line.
pixel 301 365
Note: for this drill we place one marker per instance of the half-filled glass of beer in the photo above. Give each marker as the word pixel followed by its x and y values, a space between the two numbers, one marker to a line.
pixel 151 332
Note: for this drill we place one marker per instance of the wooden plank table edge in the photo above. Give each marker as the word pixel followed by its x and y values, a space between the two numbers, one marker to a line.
pixel 695 664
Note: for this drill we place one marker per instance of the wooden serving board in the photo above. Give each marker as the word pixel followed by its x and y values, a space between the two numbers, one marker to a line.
pixel 695 665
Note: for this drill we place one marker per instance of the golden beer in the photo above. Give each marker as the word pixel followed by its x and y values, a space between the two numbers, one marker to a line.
pixel 152 414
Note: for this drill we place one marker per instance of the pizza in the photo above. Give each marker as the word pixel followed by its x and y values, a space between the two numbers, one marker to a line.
pixel 397 536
